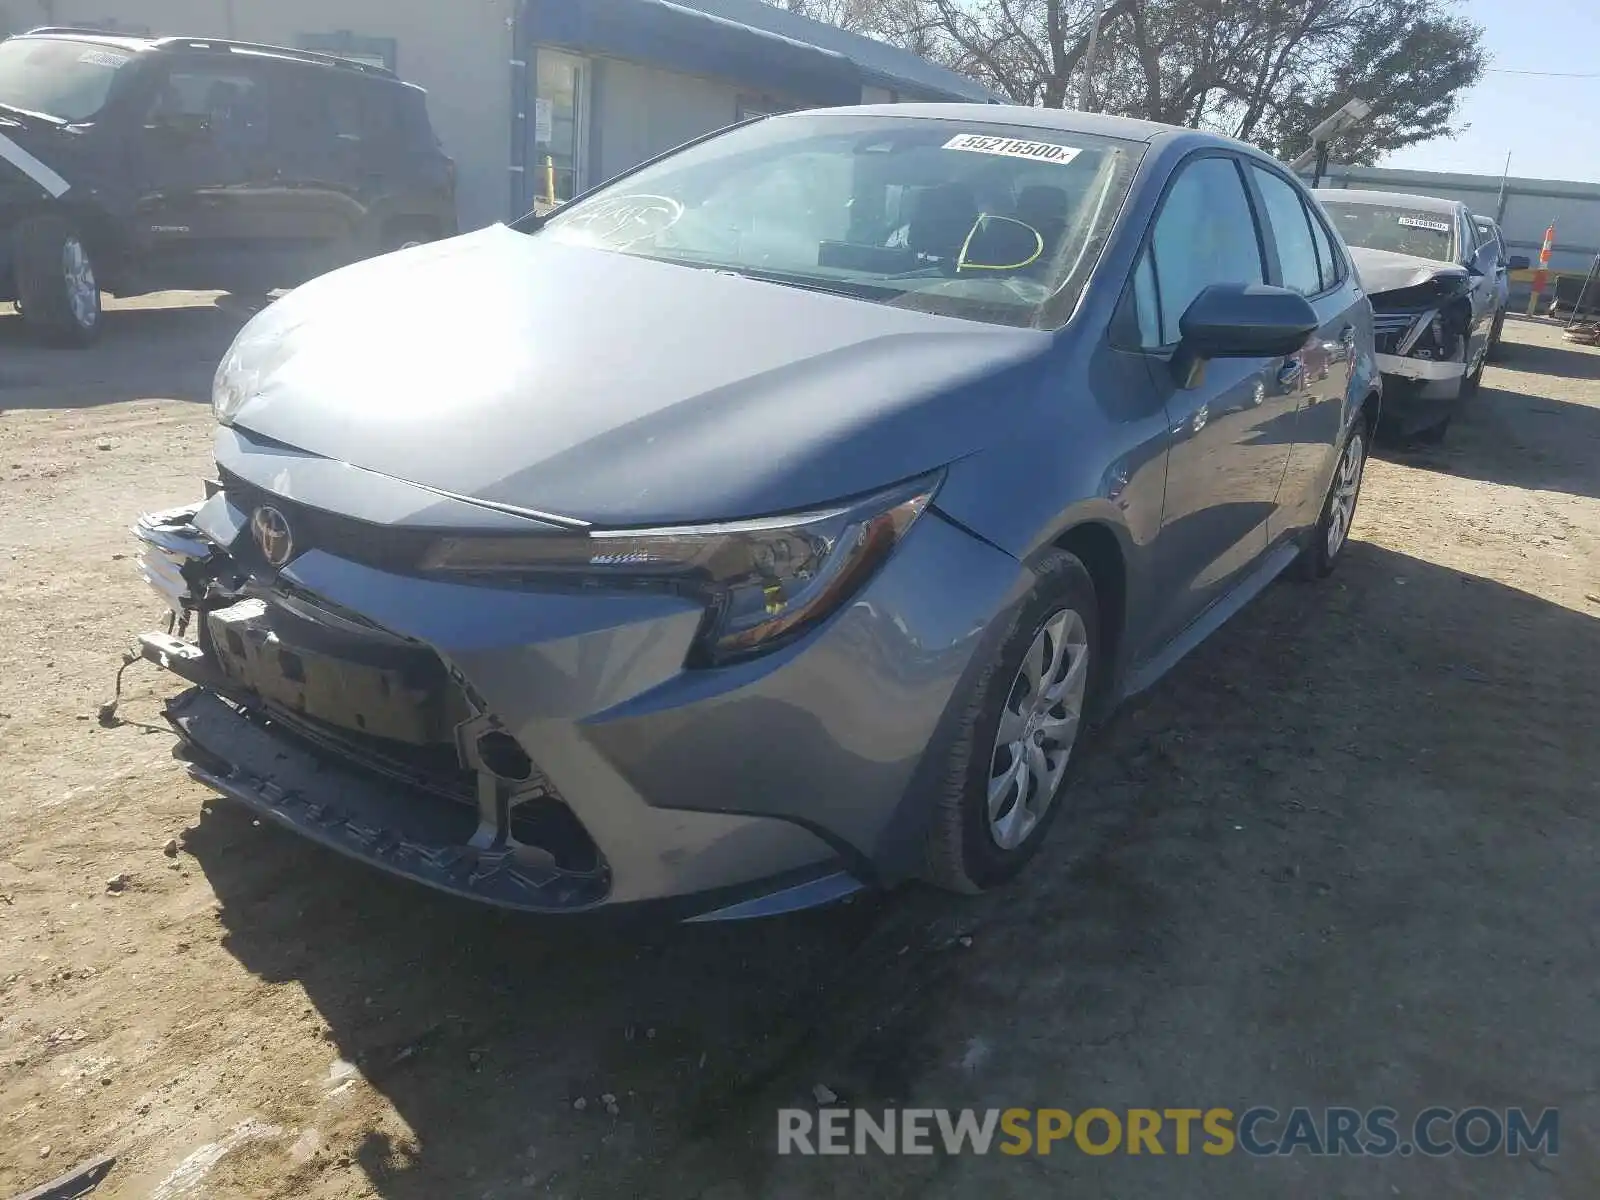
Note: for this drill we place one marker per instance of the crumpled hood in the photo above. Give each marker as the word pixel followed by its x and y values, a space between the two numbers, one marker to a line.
pixel 1386 271
pixel 617 390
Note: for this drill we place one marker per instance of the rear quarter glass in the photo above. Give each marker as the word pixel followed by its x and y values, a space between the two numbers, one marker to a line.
pixel 410 109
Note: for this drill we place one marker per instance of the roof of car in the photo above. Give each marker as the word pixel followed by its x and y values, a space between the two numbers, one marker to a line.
pixel 1392 199
pixel 120 41
pixel 132 43
pixel 1051 120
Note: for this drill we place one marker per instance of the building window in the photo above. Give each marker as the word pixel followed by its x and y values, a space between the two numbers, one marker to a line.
pixel 374 51
pixel 560 125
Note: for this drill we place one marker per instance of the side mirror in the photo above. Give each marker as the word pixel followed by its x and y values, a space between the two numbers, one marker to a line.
pixel 1238 320
pixel 1519 262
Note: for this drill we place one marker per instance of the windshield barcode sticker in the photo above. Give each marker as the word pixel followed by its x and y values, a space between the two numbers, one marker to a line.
pixel 1420 223
pixel 982 143
pixel 102 58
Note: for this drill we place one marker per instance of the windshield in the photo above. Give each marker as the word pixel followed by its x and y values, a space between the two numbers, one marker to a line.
pixel 1402 230
pixel 62 79
pixel 986 222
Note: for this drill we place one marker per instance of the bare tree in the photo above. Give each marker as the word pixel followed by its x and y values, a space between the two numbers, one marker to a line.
pixel 858 16
pixel 1262 70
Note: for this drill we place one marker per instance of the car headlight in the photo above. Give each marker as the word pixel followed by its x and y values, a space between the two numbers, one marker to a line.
pixel 763 581
pixel 234 384
pixel 255 354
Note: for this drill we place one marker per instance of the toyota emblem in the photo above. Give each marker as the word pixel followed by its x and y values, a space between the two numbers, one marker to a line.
pixel 270 528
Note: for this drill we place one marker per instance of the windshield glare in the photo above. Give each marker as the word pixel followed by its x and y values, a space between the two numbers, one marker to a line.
pixel 986 222
pixel 1398 229
pixel 63 79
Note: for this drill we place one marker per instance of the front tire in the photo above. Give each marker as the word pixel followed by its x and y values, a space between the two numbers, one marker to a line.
pixel 1466 389
pixel 1495 352
pixel 57 290
pixel 1332 532
pixel 1472 382
pixel 1020 734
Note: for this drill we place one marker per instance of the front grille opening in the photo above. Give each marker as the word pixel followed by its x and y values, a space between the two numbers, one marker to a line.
pixel 503 757
pixel 549 824
pixel 433 768
pixel 362 696
pixel 544 820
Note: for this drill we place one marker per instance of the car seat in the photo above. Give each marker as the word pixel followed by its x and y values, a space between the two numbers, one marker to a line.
pixel 943 218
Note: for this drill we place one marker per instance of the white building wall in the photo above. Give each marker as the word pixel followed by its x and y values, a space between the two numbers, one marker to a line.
pixel 1530 206
pixel 460 53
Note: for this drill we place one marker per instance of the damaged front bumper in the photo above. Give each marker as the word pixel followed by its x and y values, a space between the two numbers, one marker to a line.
pixel 550 752
pixel 1422 354
pixel 1417 370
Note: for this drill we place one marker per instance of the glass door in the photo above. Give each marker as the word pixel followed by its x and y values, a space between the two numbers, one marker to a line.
pixel 560 126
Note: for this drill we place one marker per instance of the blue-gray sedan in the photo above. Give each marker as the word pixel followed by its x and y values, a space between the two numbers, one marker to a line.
pixel 773 521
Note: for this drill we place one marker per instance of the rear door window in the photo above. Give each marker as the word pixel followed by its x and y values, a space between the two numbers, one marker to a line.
pixel 1291 232
pixel 226 100
pixel 1330 263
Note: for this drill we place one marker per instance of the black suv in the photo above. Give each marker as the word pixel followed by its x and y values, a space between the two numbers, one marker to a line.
pixel 133 165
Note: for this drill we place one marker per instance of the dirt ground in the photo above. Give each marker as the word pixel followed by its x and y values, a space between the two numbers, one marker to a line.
pixel 1344 855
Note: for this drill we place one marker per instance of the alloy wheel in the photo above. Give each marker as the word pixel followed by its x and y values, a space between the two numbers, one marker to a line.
pixel 83 291
pixel 1038 729
pixel 1346 491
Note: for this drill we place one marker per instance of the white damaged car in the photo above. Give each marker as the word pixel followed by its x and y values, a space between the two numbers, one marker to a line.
pixel 1434 298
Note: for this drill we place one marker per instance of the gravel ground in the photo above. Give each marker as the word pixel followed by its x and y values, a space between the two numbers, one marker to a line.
pixel 1343 855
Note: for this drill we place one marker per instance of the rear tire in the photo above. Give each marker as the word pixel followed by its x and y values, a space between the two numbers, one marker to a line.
pixel 1021 734
pixel 1332 532
pixel 57 291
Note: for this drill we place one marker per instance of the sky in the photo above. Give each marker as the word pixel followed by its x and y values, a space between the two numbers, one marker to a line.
pixel 1551 125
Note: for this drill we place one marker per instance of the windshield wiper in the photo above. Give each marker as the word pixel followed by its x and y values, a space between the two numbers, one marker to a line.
pixel 15 110
pixel 835 287
pixel 856 289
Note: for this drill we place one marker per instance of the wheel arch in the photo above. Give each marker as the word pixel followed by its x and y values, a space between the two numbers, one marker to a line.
pixel 1099 547
pixel 1369 410
pixel 106 238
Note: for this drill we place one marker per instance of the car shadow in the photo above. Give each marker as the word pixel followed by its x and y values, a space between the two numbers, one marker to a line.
pixel 1563 361
pixel 143 353
pixel 1545 443
pixel 495 1032
pixel 1368 755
